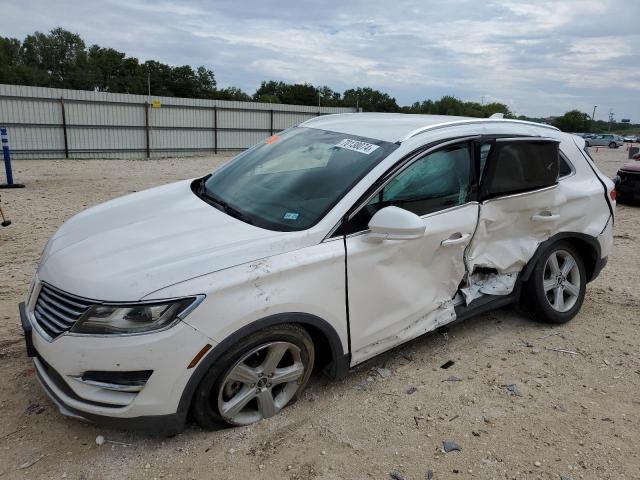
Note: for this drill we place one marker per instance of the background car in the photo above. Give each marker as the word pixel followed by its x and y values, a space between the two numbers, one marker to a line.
pixel 628 182
pixel 630 138
pixel 605 140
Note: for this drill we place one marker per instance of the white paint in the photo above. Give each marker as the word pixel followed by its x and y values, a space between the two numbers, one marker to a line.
pixel 405 285
pixel 166 243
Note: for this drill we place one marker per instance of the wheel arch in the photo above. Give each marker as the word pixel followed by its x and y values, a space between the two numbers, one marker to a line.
pixel 587 246
pixel 329 351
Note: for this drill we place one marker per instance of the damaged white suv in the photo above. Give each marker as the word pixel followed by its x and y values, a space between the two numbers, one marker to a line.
pixel 320 247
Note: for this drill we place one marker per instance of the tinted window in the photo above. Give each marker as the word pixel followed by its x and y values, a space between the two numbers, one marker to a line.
pixel 519 166
pixel 437 181
pixel 291 180
pixel 564 168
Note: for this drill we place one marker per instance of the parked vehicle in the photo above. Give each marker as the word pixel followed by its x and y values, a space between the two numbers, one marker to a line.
pixel 630 138
pixel 318 248
pixel 605 140
pixel 627 182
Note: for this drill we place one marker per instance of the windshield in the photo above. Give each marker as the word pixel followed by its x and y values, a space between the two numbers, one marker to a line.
pixel 291 180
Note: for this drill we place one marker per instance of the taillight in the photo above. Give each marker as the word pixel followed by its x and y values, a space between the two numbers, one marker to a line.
pixel 613 194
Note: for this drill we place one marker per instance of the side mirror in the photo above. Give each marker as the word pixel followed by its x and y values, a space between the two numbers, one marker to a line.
pixel 393 223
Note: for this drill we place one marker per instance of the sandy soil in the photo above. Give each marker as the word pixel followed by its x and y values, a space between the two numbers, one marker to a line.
pixel 571 415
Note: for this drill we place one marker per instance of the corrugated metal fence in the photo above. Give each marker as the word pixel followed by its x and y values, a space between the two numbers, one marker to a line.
pixel 57 123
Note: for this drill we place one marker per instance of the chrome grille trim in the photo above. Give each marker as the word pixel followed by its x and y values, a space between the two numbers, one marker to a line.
pixel 57 311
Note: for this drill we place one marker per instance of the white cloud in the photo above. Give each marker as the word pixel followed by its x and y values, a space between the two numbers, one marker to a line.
pixel 541 57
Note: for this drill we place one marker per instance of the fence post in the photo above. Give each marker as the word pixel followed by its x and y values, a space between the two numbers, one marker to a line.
pixel 6 153
pixel 146 129
pixel 271 121
pixel 215 129
pixel 64 128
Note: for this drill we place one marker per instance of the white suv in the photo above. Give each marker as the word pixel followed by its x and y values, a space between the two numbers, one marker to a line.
pixel 318 248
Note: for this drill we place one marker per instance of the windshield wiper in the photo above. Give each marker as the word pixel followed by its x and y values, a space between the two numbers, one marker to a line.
pixel 220 204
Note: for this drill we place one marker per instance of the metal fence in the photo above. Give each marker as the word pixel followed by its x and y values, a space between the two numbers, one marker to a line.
pixel 57 123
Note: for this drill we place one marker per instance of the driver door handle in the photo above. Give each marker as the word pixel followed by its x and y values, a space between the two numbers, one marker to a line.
pixel 455 239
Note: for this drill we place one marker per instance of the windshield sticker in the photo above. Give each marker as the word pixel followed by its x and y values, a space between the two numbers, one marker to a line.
pixel 357 146
pixel 272 139
pixel 291 216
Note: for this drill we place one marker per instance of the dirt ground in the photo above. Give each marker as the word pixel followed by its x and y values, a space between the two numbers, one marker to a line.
pixel 570 415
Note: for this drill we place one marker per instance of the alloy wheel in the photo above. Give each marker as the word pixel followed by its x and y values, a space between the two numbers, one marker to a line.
pixel 561 281
pixel 261 383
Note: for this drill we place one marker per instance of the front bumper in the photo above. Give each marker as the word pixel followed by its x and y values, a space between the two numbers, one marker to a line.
pixel 156 407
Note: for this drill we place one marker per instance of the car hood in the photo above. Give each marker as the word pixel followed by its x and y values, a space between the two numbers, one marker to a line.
pixel 126 248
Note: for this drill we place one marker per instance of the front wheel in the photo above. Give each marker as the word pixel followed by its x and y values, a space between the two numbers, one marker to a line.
pixel 256 378
pixel 555 291
pixel 613 145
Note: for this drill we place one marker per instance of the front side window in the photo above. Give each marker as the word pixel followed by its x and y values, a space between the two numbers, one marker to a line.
pixel 291 180
pixel 434 182
pixel 520 166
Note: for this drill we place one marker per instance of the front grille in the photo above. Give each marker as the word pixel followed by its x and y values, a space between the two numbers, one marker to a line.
pixel 57 311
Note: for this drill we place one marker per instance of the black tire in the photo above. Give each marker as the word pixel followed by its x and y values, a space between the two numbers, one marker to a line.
pixel 613 145
pixel 536 299
pixel 204 406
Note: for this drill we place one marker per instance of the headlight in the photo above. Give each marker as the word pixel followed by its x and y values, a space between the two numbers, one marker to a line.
pixel 131 319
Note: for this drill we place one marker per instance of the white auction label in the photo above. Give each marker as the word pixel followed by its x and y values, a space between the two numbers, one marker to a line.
pixel 357 146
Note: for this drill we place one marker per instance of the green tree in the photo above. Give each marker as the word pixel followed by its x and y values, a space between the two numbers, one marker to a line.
pixel 573 121
pixel 370 100
pixel 233 93
pixel 294 94
pixel 61 54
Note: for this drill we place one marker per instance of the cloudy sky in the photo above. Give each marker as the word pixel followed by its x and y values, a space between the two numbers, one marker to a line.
pixel 540 57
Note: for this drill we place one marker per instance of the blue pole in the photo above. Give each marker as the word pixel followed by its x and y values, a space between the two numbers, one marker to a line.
pixel 6 153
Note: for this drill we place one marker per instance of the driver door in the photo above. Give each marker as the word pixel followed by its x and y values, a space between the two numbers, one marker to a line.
pixel 400 289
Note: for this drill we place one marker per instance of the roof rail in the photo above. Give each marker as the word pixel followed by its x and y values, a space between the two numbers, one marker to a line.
pixel 437 126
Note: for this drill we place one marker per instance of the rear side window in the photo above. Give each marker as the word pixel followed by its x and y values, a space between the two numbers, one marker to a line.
pixel 520 166
pixel 564 168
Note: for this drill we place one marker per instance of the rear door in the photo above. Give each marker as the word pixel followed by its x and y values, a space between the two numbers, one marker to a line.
pixel 521 205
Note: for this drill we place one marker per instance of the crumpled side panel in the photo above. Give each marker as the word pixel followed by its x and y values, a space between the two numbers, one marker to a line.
pixel 510 228
pixel 399 289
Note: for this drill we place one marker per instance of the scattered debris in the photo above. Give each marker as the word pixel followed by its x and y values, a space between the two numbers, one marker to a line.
pixel 447 364
pixel 429 475
pixel 453 378
pixel 537 463
pixel 396 476
pixel 475 434
pixel 99 440
pixel 454 417
pixel 410 356
pixel 450 446
pixel 513 388
pixel 360 386
pixel 548 335
pixel 35 408
pixel 562 350
pixel 31 462
pixel 524 343
pixel 383 372
pixel 411 390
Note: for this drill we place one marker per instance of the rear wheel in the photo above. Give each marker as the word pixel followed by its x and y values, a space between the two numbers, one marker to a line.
pixel 256 378
pixel 556 289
